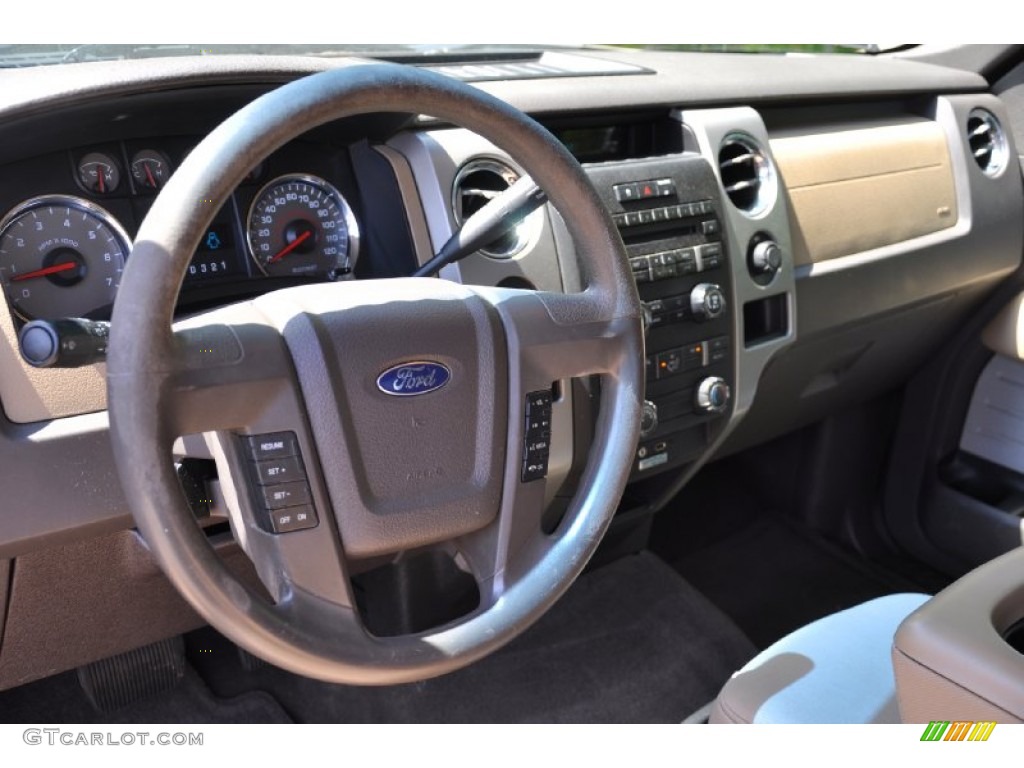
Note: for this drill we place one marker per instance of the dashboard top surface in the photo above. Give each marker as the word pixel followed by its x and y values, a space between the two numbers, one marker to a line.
pixel 674 78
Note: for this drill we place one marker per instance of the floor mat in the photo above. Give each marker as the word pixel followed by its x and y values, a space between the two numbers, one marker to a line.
pixel 60 699
pixel 771 578
pixel 630 642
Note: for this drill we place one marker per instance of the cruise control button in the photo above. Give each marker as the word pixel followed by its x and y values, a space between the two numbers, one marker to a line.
pixel 279 471
pixel 285 495
pixel 275 445
pixel 294 519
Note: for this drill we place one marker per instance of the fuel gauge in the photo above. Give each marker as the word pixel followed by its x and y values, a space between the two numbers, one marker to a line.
pixel 98 172
pixel 150 169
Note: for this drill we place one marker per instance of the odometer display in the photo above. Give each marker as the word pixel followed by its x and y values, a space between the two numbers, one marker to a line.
pixel 301 226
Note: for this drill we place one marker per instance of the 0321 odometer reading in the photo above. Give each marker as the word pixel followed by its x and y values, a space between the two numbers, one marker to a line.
pixel 301 226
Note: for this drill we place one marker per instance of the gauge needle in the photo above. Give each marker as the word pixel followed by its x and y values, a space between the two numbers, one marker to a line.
pixel 99 178
pixel 63 267
pixel 291 246
pixel 149 175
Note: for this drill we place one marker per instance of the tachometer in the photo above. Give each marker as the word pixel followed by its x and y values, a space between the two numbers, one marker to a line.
pixel 301 226
pixel 61 257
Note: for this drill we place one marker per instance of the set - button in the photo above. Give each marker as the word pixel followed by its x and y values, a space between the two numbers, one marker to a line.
pixel 282 487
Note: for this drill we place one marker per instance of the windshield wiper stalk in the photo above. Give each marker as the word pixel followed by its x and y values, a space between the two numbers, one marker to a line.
pixel 500 215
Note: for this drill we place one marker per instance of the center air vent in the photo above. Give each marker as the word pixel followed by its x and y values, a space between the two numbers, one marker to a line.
pixel 987 141
pixel 747 174
pixel 476 184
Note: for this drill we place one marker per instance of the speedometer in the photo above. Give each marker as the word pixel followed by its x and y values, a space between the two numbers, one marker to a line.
pixel 301 226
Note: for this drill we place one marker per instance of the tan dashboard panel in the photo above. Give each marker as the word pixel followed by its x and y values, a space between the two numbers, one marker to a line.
pixel 856 188
pixel 30 394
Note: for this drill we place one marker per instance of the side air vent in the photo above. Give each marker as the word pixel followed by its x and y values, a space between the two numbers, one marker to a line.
pixel 987 140
pixel 747 174
pixel 476 184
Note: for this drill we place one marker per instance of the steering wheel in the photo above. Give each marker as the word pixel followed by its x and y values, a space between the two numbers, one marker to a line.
pixel 300 368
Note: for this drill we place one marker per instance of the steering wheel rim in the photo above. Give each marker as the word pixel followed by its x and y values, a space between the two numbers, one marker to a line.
pixel 155 373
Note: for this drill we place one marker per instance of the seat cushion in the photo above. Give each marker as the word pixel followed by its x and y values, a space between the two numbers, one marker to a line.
pixel 835 670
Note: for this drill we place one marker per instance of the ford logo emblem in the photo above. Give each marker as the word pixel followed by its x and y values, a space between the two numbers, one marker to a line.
pixel 414 378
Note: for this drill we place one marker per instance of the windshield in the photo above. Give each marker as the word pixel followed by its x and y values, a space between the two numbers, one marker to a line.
pixel 38 54
pixel 35 55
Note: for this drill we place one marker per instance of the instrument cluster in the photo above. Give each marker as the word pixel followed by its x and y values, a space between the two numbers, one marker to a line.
pixel 64 247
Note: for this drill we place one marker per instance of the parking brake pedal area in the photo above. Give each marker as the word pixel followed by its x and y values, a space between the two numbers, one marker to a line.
pixel 114 683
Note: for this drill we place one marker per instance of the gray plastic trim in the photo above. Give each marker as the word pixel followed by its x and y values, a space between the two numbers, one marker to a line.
pixel 411 201
pixel 711 127
pixel 957 636
pixel 994 428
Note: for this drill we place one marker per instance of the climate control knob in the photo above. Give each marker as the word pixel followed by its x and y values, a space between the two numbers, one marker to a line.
pixel 648 418
pixel 712 395
pixel 766 257
pixel 707 301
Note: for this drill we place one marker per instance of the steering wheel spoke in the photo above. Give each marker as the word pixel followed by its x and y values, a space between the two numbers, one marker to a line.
pixel 556 336
pixel 552 339
pixel 225 369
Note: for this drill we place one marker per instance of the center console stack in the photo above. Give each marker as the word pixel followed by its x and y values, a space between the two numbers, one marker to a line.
pixel 668 212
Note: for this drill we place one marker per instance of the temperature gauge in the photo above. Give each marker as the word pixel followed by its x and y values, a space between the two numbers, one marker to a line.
pixel 98 172
pixel 150 169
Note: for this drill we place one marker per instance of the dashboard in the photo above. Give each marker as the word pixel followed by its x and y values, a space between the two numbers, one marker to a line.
pixel 802 237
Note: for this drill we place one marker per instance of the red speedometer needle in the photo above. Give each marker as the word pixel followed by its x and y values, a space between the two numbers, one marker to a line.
pixel 149 175
pixel 291 246
pixel 63 267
